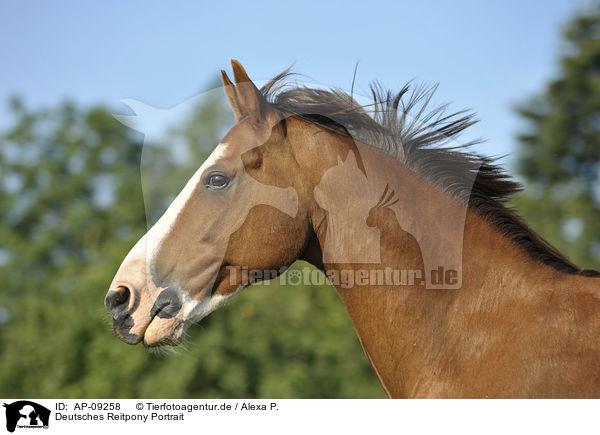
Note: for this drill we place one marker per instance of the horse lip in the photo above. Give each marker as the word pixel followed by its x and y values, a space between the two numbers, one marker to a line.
pixel 122 327
pixel 164 341
pixel 167 305
pixel 143 334
pixel 125 323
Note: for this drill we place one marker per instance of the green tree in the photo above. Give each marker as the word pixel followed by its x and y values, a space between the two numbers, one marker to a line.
pixel 559 156
pixel 72 207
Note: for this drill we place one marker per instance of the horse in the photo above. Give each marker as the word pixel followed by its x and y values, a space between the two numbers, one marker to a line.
pixel 452 294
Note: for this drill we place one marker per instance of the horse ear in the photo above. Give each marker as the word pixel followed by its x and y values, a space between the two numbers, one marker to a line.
pixel 250 99
pixel 231 96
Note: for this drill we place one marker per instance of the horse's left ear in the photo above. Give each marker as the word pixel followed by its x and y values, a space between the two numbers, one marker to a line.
pixel 231 96
pixel 245 98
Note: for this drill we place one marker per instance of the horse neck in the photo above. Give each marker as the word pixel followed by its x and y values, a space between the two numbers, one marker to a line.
pixel 410 332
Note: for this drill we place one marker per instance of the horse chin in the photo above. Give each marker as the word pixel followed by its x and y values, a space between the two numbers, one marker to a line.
pixel 164 332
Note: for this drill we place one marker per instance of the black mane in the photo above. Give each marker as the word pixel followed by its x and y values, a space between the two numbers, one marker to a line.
pixel 402 125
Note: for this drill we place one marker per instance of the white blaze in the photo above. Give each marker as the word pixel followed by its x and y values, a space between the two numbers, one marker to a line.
pixel 147 246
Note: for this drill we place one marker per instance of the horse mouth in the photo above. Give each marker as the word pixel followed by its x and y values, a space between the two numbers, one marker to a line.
pixel 163 332
pixel 156 333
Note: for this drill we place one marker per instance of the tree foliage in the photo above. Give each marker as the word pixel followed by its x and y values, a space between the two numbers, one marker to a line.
pixel 559 156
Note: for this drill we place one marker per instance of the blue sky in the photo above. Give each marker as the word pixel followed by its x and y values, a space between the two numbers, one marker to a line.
pixel 486 56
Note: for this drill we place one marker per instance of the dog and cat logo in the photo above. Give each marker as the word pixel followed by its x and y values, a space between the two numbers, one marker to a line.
pixel 25 414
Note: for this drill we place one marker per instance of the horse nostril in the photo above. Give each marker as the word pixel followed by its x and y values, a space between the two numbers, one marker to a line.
pixel 116 300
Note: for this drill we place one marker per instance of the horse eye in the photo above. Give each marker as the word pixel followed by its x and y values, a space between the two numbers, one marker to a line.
pixel 217 181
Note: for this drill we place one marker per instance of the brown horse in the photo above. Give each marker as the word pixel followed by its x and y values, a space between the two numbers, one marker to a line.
pixel 452 294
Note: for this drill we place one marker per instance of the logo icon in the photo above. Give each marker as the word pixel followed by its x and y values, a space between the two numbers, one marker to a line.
pixel 26 414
